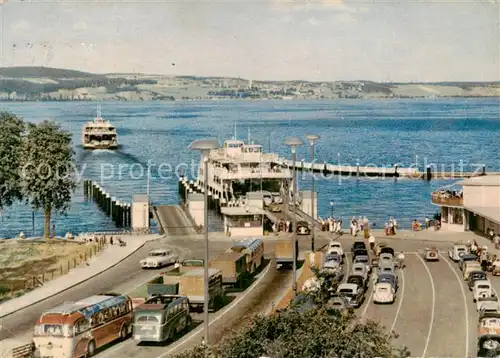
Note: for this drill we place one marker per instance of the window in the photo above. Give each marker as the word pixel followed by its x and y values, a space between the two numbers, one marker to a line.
pixel 81 326
pixel 147 319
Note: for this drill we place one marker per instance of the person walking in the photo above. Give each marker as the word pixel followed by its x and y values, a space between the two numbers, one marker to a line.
pixel 401 259
pixel 427 223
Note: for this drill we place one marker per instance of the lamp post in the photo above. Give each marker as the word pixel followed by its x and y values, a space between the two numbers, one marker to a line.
pixel 293 142
pixel 312 138
pixel 331 206
pixel 204 146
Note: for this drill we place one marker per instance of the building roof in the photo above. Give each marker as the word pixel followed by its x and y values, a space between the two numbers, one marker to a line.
pixel 485 180
pixel 241 211
pixel 490 213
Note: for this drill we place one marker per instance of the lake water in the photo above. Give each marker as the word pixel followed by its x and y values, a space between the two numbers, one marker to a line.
pixel 449 132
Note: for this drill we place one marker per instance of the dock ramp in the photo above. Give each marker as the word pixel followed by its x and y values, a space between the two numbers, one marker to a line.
pixel 173 220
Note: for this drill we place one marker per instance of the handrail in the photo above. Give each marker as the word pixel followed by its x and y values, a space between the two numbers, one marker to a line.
pixel 24 351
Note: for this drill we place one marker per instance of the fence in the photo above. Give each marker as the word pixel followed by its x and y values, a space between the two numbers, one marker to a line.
pixel 16 287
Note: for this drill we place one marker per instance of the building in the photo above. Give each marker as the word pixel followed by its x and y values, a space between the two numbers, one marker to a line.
pixel 476 207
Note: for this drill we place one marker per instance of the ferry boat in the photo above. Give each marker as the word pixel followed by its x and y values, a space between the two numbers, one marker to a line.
pixel 99 134
pixel 239 168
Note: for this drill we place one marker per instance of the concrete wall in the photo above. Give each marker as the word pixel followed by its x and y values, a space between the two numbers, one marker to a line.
pixel 255 199
pixel 486 196
pixel 140 215
pixel 246 231
pixel 306 206
pixel 196 207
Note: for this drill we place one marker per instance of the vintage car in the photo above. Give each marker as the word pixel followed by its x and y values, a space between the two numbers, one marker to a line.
pixel 359 252
pixel 431 254
pixel 335 251
pixel 466 258
pixel 457 251
pixel 489 322
pixel 277 199
pixel 267 198
pixel 390 278
pixel 358 280
pixel 384 293
pixel 360 269
pixel 332 264
pixel 274 208
pixel 487 304
pixel 352 293
pixel 385 259
pixel 159 258
pixel 387 250
pixel 474 276
pixel 363 260
pixel 337 303
pixel 482 288
pixel 387 267
pixel 470 266
pixel 337 246
pixel 303 228
pixel 488 345
pixel 358 245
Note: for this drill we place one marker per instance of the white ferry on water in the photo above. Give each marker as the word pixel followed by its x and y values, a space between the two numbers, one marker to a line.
pixel 99 134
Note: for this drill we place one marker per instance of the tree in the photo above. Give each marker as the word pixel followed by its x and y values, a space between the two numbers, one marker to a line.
pixel 11 134
pixel 320 330
pixel 47 170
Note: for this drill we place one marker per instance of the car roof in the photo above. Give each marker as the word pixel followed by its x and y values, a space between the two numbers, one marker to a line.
pixel 385 283
pixel 358 264
pixel 159 251
pixel 482 282
pixel 335 242
pixel 351 286
pixel 387 275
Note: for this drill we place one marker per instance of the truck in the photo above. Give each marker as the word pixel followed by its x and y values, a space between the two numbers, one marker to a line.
pixel 284 252
pixel 191 285
pixel 233 267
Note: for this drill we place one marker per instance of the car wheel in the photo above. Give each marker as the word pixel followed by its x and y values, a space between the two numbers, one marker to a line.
pixel 124 332
pixel 91 349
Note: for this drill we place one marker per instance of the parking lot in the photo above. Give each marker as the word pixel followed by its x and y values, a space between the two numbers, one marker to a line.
pixel 434 313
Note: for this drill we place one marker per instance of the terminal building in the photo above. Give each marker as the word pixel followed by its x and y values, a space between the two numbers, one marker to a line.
pixel 476 207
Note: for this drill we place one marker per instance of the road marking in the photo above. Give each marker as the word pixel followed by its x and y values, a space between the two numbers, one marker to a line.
pixel 369 300
pixel 401 300
pixel 460 283
pixel 431 323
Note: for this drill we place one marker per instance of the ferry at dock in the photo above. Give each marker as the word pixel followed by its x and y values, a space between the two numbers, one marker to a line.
pixel 99 134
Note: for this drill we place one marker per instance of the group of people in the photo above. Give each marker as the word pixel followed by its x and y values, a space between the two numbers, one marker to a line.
pixel 494 238
pixel 359 224
pixel 485 258
pixel 331 224
pixel 282 226
pixel 390 227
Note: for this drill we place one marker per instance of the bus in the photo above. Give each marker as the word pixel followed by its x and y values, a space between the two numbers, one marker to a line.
pixel 78 329
pixel 160 318
pixel 254 251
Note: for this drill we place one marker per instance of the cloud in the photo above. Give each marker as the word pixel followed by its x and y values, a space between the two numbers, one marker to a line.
pixel 314 5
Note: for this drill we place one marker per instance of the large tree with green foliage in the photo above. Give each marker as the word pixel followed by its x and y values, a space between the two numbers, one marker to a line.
pixel 48 169
pixel 11 136
pixel 321 330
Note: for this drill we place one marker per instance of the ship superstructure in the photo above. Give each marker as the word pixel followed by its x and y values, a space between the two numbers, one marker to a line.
pixel 99 134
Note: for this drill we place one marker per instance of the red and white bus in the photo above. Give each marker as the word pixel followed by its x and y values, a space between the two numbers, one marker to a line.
pixel 78 329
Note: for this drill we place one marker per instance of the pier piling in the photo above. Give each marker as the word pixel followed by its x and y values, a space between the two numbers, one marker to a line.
pixel 428 172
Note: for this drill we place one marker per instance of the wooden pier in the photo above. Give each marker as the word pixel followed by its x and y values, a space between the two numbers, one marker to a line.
pixel 395 171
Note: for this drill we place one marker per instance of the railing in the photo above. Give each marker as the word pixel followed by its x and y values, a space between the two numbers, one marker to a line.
pixel 441 199
pixel 25 351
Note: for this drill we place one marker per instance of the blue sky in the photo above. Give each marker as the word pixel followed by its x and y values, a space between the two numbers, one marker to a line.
pixel 405 40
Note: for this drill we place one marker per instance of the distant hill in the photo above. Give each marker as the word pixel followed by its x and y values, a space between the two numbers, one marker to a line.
pixel 44 72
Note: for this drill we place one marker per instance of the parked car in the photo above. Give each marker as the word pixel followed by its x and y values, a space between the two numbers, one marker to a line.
pixel 159 258
pixel 466 258
pixel 390 278
pixel 474 276
pixel 303 228
pixel 387 250
pixel 363 260
pixel 357 245
pixel 385 259
pixel 482 288
pixel 470 266
pixel 274 208
pixel 488 304
pixel 352 293
pixel 337 246
pixel 359 252
pixel 335 251
pixel 360 270
pixel 457 251
pixel 358 280
pixel 431 254
pixel 277 199
pixel 388 267
pixel 488 345
pixel 384 293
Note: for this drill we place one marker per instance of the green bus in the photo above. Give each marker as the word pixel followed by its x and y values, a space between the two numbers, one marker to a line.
pixel 160 318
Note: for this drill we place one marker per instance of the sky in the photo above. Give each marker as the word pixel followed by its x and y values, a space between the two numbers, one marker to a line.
pixel 387 41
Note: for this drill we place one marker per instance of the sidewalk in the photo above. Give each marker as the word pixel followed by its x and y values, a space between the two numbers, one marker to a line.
pixel 109 257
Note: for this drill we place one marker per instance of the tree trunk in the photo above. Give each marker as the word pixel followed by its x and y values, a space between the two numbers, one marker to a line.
pixel 46 221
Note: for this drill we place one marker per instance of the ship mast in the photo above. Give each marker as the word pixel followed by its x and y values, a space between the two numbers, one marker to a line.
pixel 99 110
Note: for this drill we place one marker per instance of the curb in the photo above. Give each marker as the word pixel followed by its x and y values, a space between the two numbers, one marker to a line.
pixel 85 280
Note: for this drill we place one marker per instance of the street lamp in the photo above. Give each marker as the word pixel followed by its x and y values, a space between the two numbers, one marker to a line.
pixel 312 138
pixel 331 206
pixel 293 142
pixel 204 146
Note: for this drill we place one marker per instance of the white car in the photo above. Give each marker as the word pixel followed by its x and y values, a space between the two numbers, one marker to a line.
pixel 488 304
pixel 482 288
pixel 457 251
pixel 336 246
pixel 277 199
pixel 159 258
pixel 384 293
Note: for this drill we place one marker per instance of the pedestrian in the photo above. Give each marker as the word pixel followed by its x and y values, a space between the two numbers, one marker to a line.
pixel 371 241
pixel 401 259
pixel 111 240
pixel 491 234
pixel 496 241
pixel 427 223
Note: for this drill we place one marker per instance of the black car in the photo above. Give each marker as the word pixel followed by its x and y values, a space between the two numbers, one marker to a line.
pixel 303 228
pixel 359 252
pixel 475 276
pixel 357 245
pixel 488 345
pixel 387 250
pixel 358 280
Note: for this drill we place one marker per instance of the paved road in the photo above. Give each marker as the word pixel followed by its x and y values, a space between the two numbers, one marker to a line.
pixel 173 220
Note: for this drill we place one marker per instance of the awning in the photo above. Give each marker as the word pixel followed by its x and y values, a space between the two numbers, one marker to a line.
pixel 490 213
